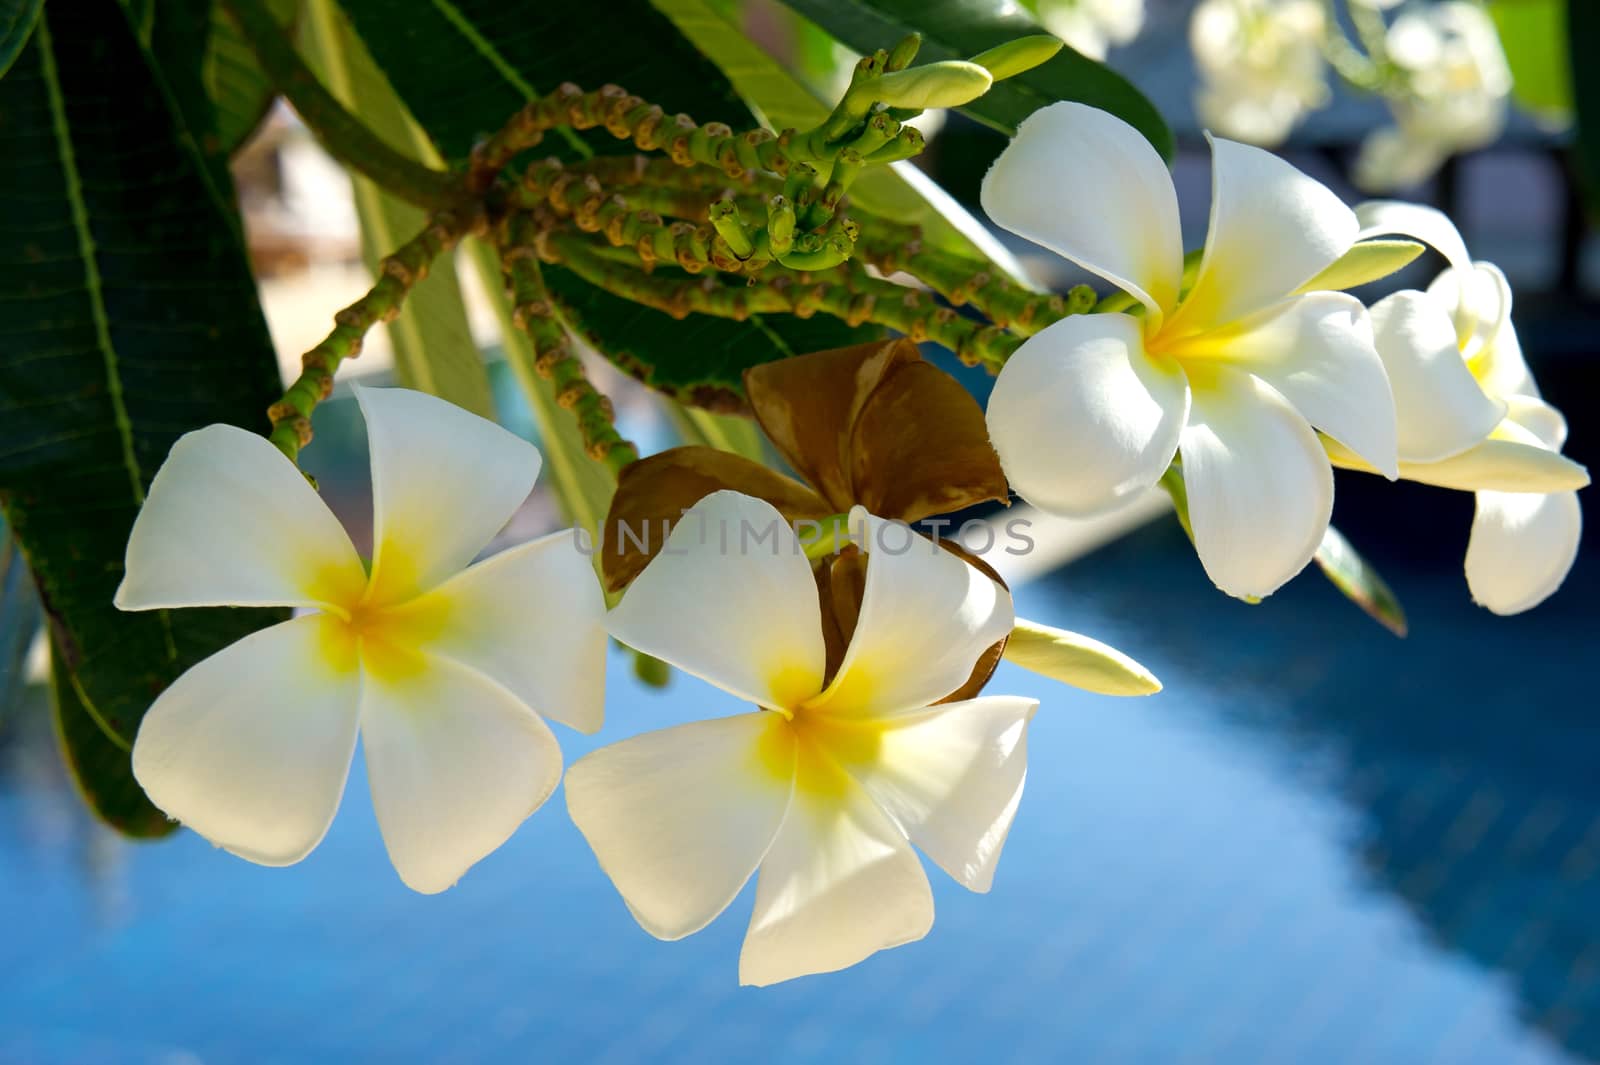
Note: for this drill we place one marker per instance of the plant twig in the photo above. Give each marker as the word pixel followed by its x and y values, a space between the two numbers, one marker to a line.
pixel 344 136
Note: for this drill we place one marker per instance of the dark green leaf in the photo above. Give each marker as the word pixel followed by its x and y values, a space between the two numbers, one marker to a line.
pixel 433 346
pixel 485 59
pixel 17 18
pixel 239 90
pixel 129 318
pixel 101 769
pixel 1583 41
pixel 958 29
pixel 1360 583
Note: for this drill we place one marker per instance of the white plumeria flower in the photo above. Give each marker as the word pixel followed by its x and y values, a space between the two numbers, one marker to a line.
pixel 1092 409
pixel 1471 418
pixel 1261 66
pixel 439 665
pixel 1091 27
pixel 825 787
pixel 1457 84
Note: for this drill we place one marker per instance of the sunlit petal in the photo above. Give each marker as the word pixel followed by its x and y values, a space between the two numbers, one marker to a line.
pixel 839 883
pixel 1522 547
pixel 531 618
pixel 230 522
pixel 1083 418
pixel 1431 226
pixel 1272 229
pixel 1117 218
pixel 730 599
pixel 251 747
pixel 951 777
pixel 926 616
pixel 1259 486
pixel 1512 460
pixel 444 481
pixel 1548 425
pixel 1490 342
pixel 1317 351
pixel 454 761
pixel 680 818
pixel 1441 409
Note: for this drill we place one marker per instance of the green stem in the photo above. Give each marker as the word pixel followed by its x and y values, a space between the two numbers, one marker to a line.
pixel 291 415
pixel 336 129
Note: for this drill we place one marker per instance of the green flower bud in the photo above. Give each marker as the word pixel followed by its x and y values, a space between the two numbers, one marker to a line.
pixel 901 55
pixel 947 84
pixel 1012 58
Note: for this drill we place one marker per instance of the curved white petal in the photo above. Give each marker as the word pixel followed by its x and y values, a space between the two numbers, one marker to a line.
pixel 455 763
pixel 1513 459
pixel 1522 547
pixel 1272 229
pixel 1117 216
pixel 1259 485
pixel 531 618
pixel 1428 224
pixel 1317 351
pixel 1488 340
pixel 840 883
pixel 926 617
pixel 444 481
pixel 1441 409
pixel 952 778
pixel 251 747
pixel 230 522
pixel 1548 425
pixel 680 818
pixel 730 599
pixel 1083 418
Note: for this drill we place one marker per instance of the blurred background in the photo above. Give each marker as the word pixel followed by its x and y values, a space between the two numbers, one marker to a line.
pixel 1321 843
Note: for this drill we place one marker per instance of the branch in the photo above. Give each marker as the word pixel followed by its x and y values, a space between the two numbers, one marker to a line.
pixel 344 136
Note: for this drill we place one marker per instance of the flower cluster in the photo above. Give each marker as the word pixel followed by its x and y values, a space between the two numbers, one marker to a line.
pixel 1238 379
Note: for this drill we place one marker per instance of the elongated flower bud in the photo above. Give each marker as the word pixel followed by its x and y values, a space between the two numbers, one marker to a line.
pixel 947 84
pixel 1012 58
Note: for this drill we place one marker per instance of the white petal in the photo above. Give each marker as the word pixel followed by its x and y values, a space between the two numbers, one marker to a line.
pixel 1486 336
pixel 680 818
pixel 531 618
pixel 1259 485
pixel 1547 424
pixel 1272 229
pixel 1513 459
pixel 926 617
pixel 1522 547
pixel 444 481
pixel 952 778
pixel 1431 226
pixel 230 522
pixel 1117 217
pixel 1317 351
pixel 1083 418
pixel 730 599
pixel 1441 409
pixel 251 747
pixel 454 761
pixel 839 883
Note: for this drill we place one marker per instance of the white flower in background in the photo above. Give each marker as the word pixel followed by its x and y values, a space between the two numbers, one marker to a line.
pixel 1091 27
pixel 1261 66
pixel 1456 86
pixel 439 665
pixel 1232 377
pixel 824 788
pixel 1471 418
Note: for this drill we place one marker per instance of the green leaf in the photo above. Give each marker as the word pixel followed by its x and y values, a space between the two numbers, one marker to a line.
pixel 725 432
pixel 101 769
pixel 240 91
pixel 433 346
pixel 1074 659
pixel 1360 583
pixel 1533 34
pixel 19 619
pixel 1364 263
pixel 900 193
pixel 129 318
pixel 17 19
pixel 958 29
pixel 485 59
pixel 1583 44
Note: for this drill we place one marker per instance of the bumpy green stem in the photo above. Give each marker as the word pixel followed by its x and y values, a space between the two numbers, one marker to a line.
pixel 291 415
pixel 554 358
pixel 336 129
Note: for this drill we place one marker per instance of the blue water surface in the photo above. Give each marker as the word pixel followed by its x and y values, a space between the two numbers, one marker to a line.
pixel 1321 844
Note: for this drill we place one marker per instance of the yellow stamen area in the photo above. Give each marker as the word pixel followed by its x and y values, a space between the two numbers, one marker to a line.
pixel 383 642
pixel 805 741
